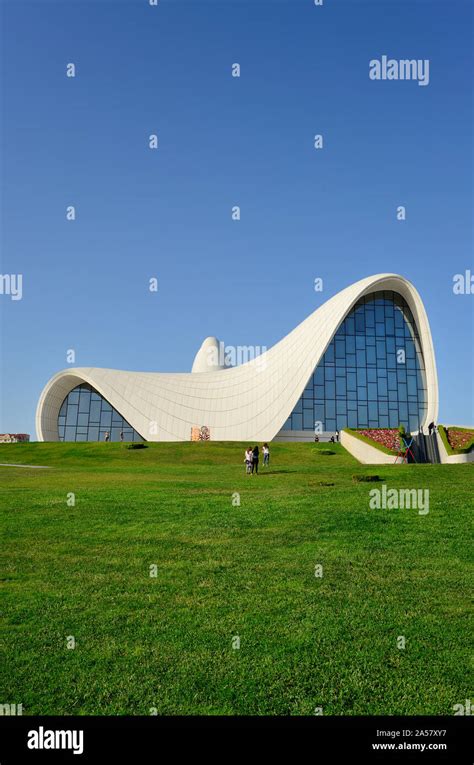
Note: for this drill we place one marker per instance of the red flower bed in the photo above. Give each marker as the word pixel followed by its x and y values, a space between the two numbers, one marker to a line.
pixel 388 437
pixel 459 439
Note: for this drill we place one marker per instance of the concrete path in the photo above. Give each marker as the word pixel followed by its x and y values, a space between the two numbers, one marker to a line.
pixel 35 467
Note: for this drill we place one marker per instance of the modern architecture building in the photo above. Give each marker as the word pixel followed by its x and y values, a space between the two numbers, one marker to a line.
pixel 363 359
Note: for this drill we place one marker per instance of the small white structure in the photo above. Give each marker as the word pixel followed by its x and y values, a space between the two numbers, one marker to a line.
pixel 210 357
pixel 250 402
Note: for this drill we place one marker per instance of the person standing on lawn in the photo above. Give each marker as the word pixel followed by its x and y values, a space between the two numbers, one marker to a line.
pixel 266 455
pixel 256 455
pixel 248 459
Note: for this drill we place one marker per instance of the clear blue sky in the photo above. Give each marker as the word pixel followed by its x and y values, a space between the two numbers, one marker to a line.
pixel 225 141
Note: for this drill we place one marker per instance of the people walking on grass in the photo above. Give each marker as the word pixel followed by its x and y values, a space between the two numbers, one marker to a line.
pixel 107 435
pixel 121 435
pixel 248 460
pixel 266 455
pixel 256 455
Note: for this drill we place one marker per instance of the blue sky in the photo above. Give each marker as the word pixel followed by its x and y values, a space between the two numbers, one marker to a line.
pixel 226 141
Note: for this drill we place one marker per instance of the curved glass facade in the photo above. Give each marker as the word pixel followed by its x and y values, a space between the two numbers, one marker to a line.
pixel 86 416
pixel 372 374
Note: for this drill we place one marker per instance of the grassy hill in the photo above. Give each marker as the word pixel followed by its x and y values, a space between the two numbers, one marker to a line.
pixel 225 571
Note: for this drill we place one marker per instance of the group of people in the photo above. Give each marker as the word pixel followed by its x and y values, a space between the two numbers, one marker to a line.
pixel 107 435
pixel 252 457
pixel 332 440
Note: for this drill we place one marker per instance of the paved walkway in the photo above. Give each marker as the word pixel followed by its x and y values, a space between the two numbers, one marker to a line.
pixel 35 467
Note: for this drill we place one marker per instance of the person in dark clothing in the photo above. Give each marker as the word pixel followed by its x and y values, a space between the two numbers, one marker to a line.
pixel 255 459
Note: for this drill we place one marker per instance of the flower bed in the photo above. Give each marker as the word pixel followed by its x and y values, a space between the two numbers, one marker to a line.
pixel 457 440
pixel 385 439
pixel 388 437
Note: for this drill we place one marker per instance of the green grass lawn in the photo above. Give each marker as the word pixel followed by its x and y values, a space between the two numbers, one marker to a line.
pixel 223 570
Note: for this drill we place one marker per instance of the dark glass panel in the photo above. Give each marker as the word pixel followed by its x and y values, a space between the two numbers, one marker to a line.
pixel 352 419
pixel 106 419
pixel 84 401
pixel 319 376
pixel 71 416
pixel 94 415
pixel 372 391
pixel 297 422
pixel 371 357
pixel 351 382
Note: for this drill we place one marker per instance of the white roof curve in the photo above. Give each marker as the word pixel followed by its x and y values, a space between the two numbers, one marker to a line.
pixel 250 402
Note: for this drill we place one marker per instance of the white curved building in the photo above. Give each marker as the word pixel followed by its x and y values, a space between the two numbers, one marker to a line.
pixel 365 358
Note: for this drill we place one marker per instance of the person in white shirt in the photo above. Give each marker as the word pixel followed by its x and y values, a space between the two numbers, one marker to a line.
pixel 266 455
pixel 248 459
